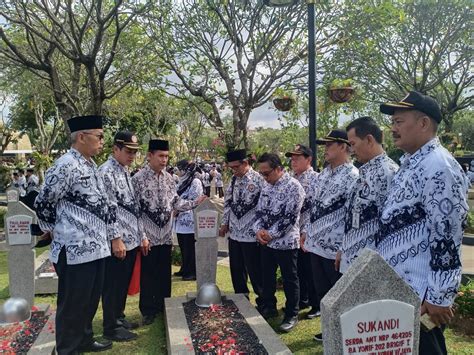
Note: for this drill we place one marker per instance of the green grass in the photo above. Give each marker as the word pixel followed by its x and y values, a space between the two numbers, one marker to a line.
pixel 152 339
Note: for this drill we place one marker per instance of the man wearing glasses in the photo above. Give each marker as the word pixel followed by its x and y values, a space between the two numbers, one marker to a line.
pixel 278 230
pixel 240 201
pixel 327 199
pixel 119 266
pixel 73 206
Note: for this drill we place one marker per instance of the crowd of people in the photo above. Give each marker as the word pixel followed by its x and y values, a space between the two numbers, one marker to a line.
pixel 311 225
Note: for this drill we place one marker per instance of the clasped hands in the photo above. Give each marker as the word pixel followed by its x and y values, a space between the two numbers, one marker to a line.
pixel 263 237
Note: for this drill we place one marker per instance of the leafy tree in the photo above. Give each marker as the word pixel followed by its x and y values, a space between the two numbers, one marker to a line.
pixel 391 47
pixel 231 55
pixel 76 48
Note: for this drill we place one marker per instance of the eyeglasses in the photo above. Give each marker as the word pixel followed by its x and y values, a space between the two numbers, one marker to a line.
pixel 234 167
pixel 266 173
pixel 99 136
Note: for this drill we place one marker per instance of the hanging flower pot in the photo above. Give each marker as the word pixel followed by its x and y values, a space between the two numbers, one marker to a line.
pixel 342 94
pixel 284 103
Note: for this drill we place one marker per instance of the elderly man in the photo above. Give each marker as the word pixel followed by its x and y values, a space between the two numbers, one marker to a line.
pixel 422 218
pixel 304 173
pixel 369 193
pixel 156 190
pixel 239 217
pixel 128 237
pixel 73 207
pixel 324 227
pixel 278 230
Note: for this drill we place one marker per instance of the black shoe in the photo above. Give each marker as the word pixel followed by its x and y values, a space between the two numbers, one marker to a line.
pixel 189 278
pixel 318 337
pixel 304 305
pixel 313 313
pixel 288 324
pixel 147 320
pixel 269 313
pixel 122 322
pixel 96 346
pixel 121 334
pixel 178 273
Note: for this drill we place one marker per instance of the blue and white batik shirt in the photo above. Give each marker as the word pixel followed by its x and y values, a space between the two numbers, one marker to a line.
pixel 184 222
pixel 365 206
pixel 218 177
pixel 73 205
pixel 278 212
pixel 327 204
pixel 158 198
pixel 33 184
pixel 118 184
pixel 306 178
pixel 422 223
pixel 240 202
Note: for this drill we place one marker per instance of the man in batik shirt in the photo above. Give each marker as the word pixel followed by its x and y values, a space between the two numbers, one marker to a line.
pixel 324 227
pixel 422 218
pixel 369 193
pixel 73 207
pixel 156 191
pixel 239 217
pixel 278 231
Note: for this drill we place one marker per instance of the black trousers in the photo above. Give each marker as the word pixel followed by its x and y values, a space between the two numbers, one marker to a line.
pixel 245 261
pixel 307 290
pixel 287 260
pixel 79 289
pixel 432 342
pixel 220 191
pixel 114 294
pixel 188 253
pixel 324 275
pixel 155 280
pixel 207 191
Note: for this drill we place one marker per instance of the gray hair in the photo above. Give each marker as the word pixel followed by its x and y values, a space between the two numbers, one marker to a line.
pixel 74 136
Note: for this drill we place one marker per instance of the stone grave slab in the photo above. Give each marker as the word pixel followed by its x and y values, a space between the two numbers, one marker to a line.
pixel 370 310
pixel 46 280
pixel 178 335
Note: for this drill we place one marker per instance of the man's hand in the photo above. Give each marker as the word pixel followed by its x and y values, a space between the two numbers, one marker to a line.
pixel 302 240
pixel 118 248
pixel 439 315
pixel 263 237
pixel 145 247
pixel 337 262
pixel 223 230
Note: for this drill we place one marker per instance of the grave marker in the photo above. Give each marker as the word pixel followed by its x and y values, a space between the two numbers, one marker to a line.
pixel 21 255
pixel 370 310
pixel 206 225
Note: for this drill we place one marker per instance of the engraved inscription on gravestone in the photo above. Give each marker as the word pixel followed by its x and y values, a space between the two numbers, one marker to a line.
pixel 18 229
pixel 207 224
pixel 384 326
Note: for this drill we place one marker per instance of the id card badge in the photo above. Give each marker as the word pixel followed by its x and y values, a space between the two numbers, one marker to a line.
pixel 355 219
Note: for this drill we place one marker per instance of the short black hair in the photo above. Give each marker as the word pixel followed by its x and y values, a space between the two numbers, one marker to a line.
pixel 272 159
pixel 21 171
pixel 364 126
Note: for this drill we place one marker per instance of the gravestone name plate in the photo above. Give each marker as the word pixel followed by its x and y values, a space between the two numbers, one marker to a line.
pixel 207 223
pixel 18 229
pixel 377 327
pixel 370 310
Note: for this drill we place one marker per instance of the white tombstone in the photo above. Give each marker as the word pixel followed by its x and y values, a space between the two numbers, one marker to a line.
pixel 21 255
pixel 206 225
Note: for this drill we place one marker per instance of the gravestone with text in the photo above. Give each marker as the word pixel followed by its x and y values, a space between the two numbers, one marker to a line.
pixel 370 310
pixel 21 255
pixel 206 225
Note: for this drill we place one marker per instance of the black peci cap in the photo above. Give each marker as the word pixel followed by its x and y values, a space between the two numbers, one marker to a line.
pixel 336 135
pixel 235 155
pixel 126 139
pixel 415 100
pixel 300 149
pixel 158 144
pixel 81 123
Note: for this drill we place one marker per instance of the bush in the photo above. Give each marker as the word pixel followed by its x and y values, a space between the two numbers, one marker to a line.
pixel 470 222
pixel 3 212
pixel 176 256
pixel 465 300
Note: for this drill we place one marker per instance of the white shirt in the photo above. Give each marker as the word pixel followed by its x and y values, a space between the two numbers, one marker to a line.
pixel 422 223
pixel 184 222
pixel 327 202
pixel 73 205
pixel 364 207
